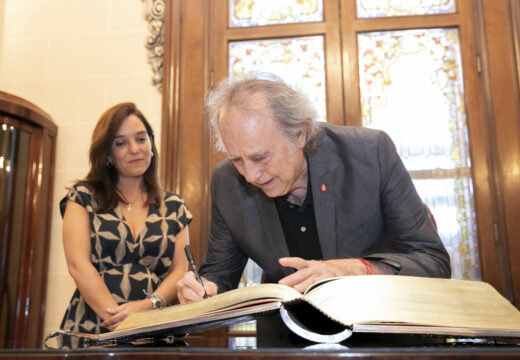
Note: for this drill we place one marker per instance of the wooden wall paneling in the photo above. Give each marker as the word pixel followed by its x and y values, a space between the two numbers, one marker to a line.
pixel 6 202
pixel 273 31
pixel 408 22
pixel 351 96
pixel 42 244
pixel 9 249
pixel 193 147
pixel 23 323
pixel 333 63
pixel 35 248
pixel 515 20
pixel 515 218
pixel 482 144
pixel 505 96
pixel 184 141
pixel 30 261
pixel 218 69
pixel 170 96
pixel 205 214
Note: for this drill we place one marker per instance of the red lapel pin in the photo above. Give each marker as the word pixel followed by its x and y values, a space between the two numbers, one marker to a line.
pixel 323 187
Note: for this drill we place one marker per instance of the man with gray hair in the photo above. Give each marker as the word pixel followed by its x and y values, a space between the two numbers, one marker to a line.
pixel 305 200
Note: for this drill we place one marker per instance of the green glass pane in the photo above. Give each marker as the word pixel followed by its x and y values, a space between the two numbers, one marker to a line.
pixel 269 12
pixel 411 86
pixel 383 8
pixel 299 61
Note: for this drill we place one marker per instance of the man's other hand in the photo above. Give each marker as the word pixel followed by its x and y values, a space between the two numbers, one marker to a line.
pixel 310 271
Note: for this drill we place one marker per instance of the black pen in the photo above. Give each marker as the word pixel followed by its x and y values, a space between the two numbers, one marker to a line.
pixel 189 255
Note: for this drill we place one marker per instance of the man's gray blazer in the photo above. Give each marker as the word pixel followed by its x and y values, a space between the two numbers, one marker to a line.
pixel 369 209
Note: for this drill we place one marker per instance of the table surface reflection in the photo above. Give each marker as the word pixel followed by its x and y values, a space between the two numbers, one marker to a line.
pixel 214 344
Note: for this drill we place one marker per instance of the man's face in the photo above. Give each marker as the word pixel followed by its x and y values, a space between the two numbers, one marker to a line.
pixel 261 153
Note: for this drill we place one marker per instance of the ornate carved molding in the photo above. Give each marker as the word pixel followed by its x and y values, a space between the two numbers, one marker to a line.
pixel 154 14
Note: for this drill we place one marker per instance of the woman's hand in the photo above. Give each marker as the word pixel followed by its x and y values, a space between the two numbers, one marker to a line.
pixel 118 314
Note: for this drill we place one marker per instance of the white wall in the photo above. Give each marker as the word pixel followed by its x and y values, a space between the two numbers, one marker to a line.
pixel 74 59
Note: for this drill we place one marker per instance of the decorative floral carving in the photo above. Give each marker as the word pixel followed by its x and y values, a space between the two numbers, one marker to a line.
pixel 154 14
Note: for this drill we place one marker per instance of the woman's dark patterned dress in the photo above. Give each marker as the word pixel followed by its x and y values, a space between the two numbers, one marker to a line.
pixel 127 265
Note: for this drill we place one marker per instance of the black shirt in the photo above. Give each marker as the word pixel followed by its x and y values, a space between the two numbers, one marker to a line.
pixel 299 226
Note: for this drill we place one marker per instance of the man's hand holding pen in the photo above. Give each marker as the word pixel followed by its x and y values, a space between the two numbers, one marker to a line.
pixel 192 286
pixel 191 290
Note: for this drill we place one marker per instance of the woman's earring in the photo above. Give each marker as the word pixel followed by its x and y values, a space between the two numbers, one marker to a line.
pixel 109 163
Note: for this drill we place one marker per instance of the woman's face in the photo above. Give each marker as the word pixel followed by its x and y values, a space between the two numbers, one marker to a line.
pixel 131 148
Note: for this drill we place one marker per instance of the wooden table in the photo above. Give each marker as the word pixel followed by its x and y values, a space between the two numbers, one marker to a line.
pixel 215 346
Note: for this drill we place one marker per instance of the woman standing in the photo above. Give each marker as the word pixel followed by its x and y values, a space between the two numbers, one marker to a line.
pixel 120 229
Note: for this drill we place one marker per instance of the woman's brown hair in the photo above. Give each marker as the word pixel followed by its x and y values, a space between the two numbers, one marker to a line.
pixel 103 176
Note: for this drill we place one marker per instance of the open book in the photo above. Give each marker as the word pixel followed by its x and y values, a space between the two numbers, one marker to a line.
pixel 331 310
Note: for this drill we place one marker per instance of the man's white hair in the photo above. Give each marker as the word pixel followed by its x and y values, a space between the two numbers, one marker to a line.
pixel 253 91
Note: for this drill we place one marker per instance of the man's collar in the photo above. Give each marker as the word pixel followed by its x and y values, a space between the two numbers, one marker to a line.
pixel 281 201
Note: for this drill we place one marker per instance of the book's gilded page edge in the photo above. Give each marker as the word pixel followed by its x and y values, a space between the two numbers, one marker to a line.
pixel 432 330
pixel 227 301
pixel 185 323
pixel 491 311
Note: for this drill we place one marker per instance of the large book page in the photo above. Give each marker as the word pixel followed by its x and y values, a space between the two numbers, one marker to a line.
pixel 381 299
pixel 234 299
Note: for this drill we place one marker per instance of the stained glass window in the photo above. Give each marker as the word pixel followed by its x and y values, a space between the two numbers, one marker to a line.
pixel 269 12
pixel 382 8
pixel 411 87
pixel 299 61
